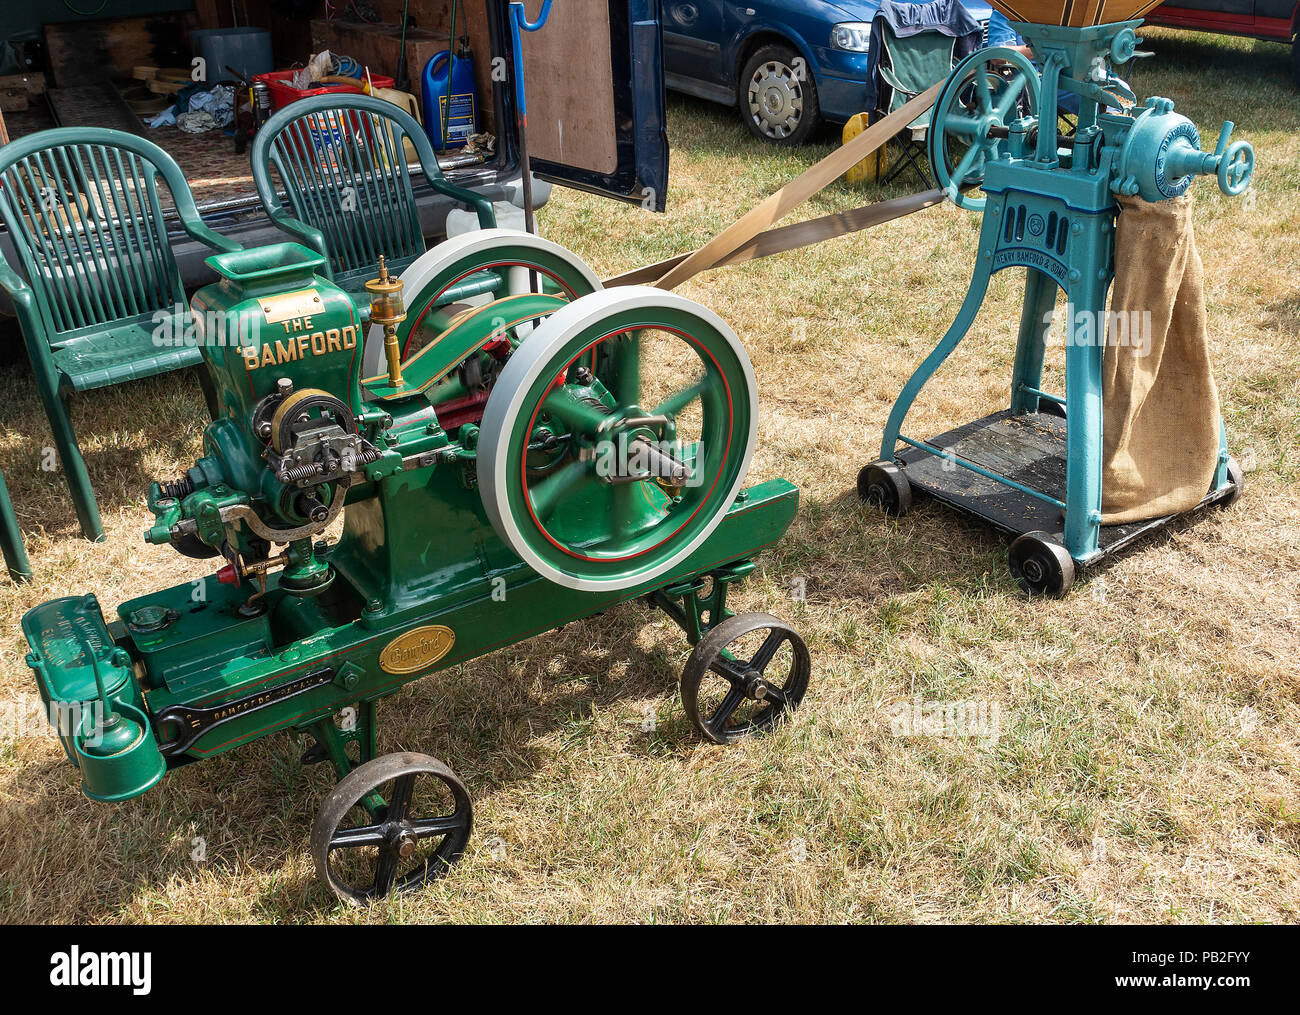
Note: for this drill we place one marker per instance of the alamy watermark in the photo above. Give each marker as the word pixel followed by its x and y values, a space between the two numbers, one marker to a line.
pixel 629 458
pixel 21 718
pixel 972 718
pixel 1086 328
pixel 180 326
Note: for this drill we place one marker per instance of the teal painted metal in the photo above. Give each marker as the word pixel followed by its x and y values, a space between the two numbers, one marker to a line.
pixel 343 162
pixel 99 299
pixel 419 579
pixel 1050 207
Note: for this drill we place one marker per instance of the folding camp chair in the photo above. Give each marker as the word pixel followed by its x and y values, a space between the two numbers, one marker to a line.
pixel 913 46
pixel 342 160
pixel 102 301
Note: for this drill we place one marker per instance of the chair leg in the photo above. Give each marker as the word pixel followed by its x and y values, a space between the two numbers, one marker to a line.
pixel 65 442
pixel 11 538
pixel 910 157
pixel 209 390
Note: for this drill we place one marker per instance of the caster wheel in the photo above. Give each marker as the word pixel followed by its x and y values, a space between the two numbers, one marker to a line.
pixel 744 675
pixel 1042 566
pixel 885 485
pixel 392 825
pixel 1237 478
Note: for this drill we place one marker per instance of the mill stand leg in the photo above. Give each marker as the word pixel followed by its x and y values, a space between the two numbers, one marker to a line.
pixel 1031 346
pixel 1084 421
pixel 970 306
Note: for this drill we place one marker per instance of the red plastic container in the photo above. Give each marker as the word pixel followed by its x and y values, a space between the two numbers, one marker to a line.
pixel 283 93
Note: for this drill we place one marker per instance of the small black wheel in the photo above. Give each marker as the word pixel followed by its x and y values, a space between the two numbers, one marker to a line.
pixel 726 689
pixel 386 846
pixel 1041 565
pixel 190 545
pixel 777 96
pixel 885 485
pixel 1237 477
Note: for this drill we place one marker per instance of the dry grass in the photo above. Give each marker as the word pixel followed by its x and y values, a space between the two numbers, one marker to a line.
pixel 1147 767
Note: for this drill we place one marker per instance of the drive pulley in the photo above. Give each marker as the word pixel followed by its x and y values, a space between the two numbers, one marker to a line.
pixel 471 270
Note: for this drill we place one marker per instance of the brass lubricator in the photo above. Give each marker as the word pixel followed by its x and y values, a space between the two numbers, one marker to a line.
pixel 388 311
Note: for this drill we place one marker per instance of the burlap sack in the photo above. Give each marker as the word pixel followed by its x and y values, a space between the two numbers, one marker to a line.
pixel 1160 442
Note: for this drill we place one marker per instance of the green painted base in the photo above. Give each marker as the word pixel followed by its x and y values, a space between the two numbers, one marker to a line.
pixel 233 679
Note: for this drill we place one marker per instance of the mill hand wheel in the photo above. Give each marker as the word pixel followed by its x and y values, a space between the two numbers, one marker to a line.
pixel 648 405
pixel 391 825
pixel 744 675
pixel 473 268
pixel 983 94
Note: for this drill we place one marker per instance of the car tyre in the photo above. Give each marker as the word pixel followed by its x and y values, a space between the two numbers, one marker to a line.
pixel 775 104
pixel 1295 59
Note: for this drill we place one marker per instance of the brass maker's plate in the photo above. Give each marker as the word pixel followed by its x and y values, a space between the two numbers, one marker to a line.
pixel 288 306
pixel 417 649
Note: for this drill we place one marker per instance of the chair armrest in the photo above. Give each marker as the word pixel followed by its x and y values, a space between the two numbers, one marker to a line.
pixel 309 236
pixel 199 230
pixel 487 216
pixel 19 291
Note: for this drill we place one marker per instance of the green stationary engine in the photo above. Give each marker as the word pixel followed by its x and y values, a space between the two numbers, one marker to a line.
pixel 522 449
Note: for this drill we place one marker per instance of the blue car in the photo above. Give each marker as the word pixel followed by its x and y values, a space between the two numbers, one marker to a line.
pixel 787 64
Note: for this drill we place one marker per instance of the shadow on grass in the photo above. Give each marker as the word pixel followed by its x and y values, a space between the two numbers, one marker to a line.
pixel 117 429
pixel 255 806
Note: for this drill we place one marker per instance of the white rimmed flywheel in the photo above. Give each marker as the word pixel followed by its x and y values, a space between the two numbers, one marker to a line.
pixel 473 269
pixel 616 437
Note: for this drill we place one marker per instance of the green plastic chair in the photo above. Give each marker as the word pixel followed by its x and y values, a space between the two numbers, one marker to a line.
pixel 102 301
pixel 11 538
pixel 343 164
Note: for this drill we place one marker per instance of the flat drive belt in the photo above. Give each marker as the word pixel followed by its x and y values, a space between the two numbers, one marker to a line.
pixel 751 235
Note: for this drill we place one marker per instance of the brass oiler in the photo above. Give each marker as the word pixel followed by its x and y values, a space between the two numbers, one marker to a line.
pixel 388 311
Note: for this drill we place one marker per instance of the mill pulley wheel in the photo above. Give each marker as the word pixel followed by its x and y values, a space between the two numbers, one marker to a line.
pixel 982 96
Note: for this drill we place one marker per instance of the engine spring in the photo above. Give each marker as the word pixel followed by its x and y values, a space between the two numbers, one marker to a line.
pixel 177 489
pixel 300 472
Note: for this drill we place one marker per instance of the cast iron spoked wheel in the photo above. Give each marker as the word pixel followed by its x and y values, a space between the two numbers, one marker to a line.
pixel 391 825
pixel 778 100
pixel 884 485
pixel 983 94
pixel 1041 565
pixel 647 402
pixel 511 261
pixel 745 675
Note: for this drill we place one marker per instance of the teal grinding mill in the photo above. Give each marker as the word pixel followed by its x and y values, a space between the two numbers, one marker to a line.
pixel 1049 205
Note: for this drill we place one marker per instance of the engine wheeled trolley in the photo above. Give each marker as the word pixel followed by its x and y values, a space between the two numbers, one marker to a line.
pixel 536 451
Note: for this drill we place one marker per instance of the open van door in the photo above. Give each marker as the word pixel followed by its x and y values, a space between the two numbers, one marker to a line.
pixel 595 81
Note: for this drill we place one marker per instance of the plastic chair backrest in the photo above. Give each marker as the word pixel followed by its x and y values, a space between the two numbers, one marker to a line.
pixel 81 205
pixel 342 163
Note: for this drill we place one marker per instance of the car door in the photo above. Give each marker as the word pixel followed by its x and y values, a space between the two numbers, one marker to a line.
pixel 693 46
pixel 595 98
